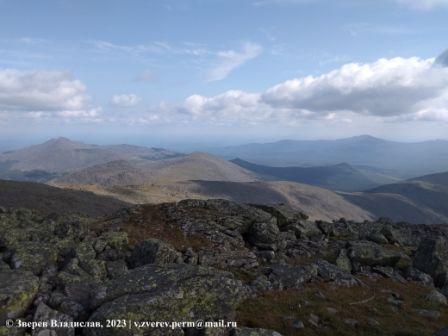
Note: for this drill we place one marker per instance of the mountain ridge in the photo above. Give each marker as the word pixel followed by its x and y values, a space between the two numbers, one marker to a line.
pixel 62 155
pixel 339 177
pixel 406 159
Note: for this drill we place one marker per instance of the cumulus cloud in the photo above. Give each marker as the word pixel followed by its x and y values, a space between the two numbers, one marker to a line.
pixel 125 100
pixel 230 60
pixel 388 89
pixel 42 93
pixel 385 88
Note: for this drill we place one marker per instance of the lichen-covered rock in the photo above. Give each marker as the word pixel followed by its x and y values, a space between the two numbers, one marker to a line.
pixel 330 272
pixel 284 276
pixel 253 332
pixel 34 256
pixel 305 229
pixel 167 293
pixel 116 268
pixel 343 261
pixel 17 291
pixel 46 314
pixel 371 254
pixel 284 214
pixel 264 235
pixel 432 257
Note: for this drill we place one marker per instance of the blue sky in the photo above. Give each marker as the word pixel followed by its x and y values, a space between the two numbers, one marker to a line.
pixel 222 71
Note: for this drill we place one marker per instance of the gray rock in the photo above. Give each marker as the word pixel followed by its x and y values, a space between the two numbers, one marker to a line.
pixel 116 268
pixel 306 229
pixel 432 257
pixel 352 322
pixel 17 291
pixel 430 314
pixel 436 297
pixel 371 254
pixel 330 272
pixel 264 235
pixel 417 275
pixel 284 276
pixel 378 238
pixel 167 292
pixel 343 261
pixel 314 320
pixel 253 332
pixel 46 314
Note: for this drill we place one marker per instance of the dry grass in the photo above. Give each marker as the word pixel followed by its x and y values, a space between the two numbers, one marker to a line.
pixel 270 310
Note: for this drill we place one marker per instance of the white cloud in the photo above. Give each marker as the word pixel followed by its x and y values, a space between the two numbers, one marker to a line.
pixel 384 88
pixel 230 60
pixel 125 100
pixel 41 93
pixel 388 89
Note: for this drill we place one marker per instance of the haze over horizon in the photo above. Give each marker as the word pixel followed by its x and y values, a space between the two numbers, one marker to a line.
pixel 219 72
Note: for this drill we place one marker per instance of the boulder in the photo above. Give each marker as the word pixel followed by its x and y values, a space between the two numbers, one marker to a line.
pixel 436 297
pixel 264 235
pixel 34 256
pixel 46 314
pixel 116 268
pixel 330 272
pixel 18 289
pixel 432 257
pixel 305 229
pixel 371 254
pixel 283 276
pixel 176 292
pixel 343 261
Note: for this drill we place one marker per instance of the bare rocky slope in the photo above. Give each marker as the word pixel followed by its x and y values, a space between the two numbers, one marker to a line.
pixel 270 269
pixel 196 166
pixel 46 199
pixel 419 200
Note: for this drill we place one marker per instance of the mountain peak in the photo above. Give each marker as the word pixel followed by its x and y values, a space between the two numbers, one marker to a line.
pixel 60 141
pixel 365 137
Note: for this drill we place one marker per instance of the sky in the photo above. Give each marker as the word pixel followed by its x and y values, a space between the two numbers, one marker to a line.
pixel 166 72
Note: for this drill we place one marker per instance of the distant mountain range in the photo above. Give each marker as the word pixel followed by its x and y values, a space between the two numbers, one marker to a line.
pixel 340 177
pixel 397 158
pixel 146 175
pixel 62 155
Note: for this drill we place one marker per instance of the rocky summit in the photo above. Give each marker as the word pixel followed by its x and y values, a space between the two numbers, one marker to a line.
pixel 267 268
